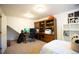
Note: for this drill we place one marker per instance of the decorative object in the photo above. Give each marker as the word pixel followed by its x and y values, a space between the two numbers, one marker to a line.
pixel 73 17
pixel 76 14
pixel 26 30
pixel 66 33
pixel 70 15
pixel 75 42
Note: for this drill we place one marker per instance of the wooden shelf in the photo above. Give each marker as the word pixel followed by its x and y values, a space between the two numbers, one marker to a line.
pixel 47 24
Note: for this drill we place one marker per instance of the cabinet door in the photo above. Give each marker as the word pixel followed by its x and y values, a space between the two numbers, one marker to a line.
pixel 37 25
pixel 49 38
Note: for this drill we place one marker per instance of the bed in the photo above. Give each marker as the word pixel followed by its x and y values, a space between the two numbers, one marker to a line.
pixel 57 47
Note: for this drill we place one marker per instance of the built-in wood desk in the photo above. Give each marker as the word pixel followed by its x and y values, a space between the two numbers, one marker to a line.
pixel 42 26
pixel 46 37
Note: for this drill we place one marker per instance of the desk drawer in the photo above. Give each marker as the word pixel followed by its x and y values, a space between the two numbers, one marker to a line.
pixel 48 38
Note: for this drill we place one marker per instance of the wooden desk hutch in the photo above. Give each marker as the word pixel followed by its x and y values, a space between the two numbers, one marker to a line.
pixel 49 23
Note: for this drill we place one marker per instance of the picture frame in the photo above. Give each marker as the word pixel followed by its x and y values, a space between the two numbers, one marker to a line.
pixel 70 15
pixel 73 18
pixel 76 14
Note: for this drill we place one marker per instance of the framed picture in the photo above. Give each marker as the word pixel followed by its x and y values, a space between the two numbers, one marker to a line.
pixel 70 15
pixel 73 20
pixel 76 14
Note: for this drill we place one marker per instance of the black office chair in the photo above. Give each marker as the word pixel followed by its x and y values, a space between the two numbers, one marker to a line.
pixel 32 34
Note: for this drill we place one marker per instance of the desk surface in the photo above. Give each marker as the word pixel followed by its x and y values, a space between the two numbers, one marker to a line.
pixel 44 34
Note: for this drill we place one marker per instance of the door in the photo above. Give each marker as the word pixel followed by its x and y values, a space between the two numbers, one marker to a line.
pixel 0 34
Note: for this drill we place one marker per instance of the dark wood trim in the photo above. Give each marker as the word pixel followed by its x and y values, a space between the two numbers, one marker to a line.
pixel 0 32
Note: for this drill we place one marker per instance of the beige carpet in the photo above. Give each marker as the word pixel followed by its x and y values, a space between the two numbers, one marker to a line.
pixel 25 48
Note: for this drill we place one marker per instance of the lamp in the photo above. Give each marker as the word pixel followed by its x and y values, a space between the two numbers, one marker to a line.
pixel 40 8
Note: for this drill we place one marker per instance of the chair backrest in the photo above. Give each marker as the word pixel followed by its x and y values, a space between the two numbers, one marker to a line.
pixel 32 30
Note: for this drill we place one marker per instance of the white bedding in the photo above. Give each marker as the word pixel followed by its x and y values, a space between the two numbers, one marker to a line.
pixel 57 47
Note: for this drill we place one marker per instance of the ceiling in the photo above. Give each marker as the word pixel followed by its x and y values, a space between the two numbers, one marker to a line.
pixel 19 9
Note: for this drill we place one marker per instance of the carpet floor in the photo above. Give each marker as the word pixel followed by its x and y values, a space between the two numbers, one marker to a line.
pixel 25 48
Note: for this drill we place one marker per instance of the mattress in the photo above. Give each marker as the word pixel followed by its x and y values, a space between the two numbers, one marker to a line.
pixel 57 47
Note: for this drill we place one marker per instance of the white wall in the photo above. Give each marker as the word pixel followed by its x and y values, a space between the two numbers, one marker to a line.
pixel 19 23
pixel 41 19
pixel 3 32
pixel 61 20
pixel 11 34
